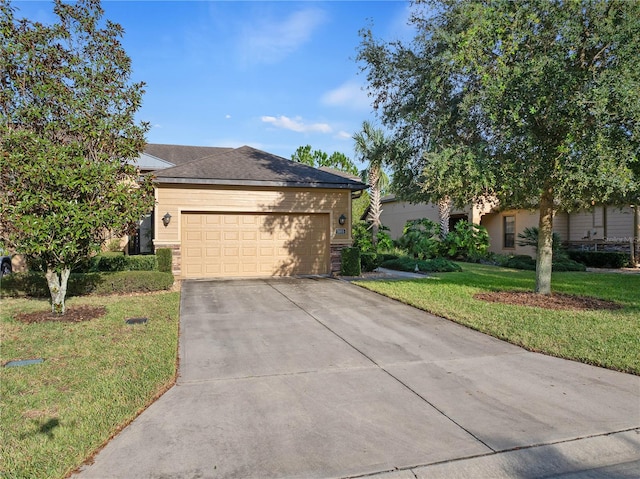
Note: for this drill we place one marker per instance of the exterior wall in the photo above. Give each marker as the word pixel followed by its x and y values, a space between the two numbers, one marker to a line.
pixel 176 199
pixel 395 214
pixel 620 224
pixel 587 225
pixel 603 224
pixel 614 228
pixel 494 224
pixel 524 219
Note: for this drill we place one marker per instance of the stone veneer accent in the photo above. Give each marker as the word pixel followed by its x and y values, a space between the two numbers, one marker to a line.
pixel 176 258
pixel 336 257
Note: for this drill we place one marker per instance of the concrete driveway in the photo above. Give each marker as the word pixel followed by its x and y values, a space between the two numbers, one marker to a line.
pixel 317 378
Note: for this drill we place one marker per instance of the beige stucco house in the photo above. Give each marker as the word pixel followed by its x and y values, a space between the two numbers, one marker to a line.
pixel 242 212
pixel 602 227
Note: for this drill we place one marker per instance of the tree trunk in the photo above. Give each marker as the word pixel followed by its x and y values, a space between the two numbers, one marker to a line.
pixel 444 213
pixel 375 207
pixel 57 289
pixel 544 258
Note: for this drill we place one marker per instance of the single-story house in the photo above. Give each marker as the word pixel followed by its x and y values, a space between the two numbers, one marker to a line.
pixel 602 227
pixel 242 212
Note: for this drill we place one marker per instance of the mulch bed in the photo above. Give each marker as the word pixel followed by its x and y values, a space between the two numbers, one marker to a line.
pixel 558 301
pixel 76 314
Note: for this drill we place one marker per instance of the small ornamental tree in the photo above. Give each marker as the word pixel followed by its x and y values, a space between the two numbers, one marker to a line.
pixel 67 135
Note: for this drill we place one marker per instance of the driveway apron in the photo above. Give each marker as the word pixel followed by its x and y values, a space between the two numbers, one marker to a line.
pixel 318 378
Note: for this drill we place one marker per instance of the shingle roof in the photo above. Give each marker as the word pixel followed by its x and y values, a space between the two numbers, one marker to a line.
pixel 180 154
pixel 247 166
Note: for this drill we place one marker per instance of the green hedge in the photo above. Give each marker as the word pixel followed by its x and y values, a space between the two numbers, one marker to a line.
pixel 528 263
pixel 369 261
pixel 164 258
pixel 35 284
pixel 600 259
pixel 350 262
pixel 121 262
pixel 436 265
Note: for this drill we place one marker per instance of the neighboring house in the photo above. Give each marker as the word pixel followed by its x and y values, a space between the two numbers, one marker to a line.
pixel 243 212
pixel 396 213
pixel 603 227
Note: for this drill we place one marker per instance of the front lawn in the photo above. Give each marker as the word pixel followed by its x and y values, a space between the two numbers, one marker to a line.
pixel 97 375
pixel 607 338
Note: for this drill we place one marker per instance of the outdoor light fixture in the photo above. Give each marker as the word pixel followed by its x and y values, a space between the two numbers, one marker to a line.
pixel 166 219
pixel 342 220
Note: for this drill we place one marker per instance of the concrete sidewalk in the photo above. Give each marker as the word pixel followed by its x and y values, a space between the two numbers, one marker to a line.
pixel 317 378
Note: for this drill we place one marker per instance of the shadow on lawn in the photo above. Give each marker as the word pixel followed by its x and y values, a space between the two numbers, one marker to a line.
pixel 46 428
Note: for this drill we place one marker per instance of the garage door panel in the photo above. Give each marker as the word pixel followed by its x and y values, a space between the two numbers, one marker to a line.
pixel 250 252
pixel 194 236
pixel 191 252
pixel 213 270
pixel 228 244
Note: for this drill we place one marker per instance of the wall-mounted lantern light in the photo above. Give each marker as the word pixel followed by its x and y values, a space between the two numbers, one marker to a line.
pixel 342 220
pixel 166 219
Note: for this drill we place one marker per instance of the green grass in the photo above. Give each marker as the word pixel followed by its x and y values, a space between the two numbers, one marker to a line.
pixel 610 339
pixel 96 377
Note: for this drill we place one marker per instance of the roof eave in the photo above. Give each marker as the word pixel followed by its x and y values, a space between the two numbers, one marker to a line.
pixel 277 184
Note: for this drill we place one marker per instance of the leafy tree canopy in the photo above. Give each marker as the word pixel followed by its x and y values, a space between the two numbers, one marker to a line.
pixel 318 158
pixel 67 135
pixel 533 102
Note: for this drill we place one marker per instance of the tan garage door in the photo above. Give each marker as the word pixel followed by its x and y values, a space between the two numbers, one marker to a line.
pixel 253 245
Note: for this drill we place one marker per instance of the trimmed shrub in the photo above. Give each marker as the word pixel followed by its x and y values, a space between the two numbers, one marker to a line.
pixel 35 284
pixel 143 262
pixel 566 264
pixel 600 259
pixel 370 261
pixel 521 261
pixel 436 265
pixel 24 284
pixel 127 282
pixel 350 262
pixel 164 257
pixel 111 262
pixel 528 263
pixel 382 257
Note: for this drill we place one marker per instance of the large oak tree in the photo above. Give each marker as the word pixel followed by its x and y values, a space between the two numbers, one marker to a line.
pixel 534 102
pixel 67 135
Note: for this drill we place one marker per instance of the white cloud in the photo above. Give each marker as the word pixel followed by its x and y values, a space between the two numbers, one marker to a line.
pixel 400 28
pixel 227 116
pixel 270 41
pixel 296 124
pixel 343 135
pixel 350 94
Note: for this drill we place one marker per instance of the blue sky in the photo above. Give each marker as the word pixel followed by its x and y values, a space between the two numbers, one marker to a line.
pixel 274 75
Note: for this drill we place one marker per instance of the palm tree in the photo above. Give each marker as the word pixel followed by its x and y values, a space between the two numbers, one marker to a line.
pixel 373 148
pixel 445 205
